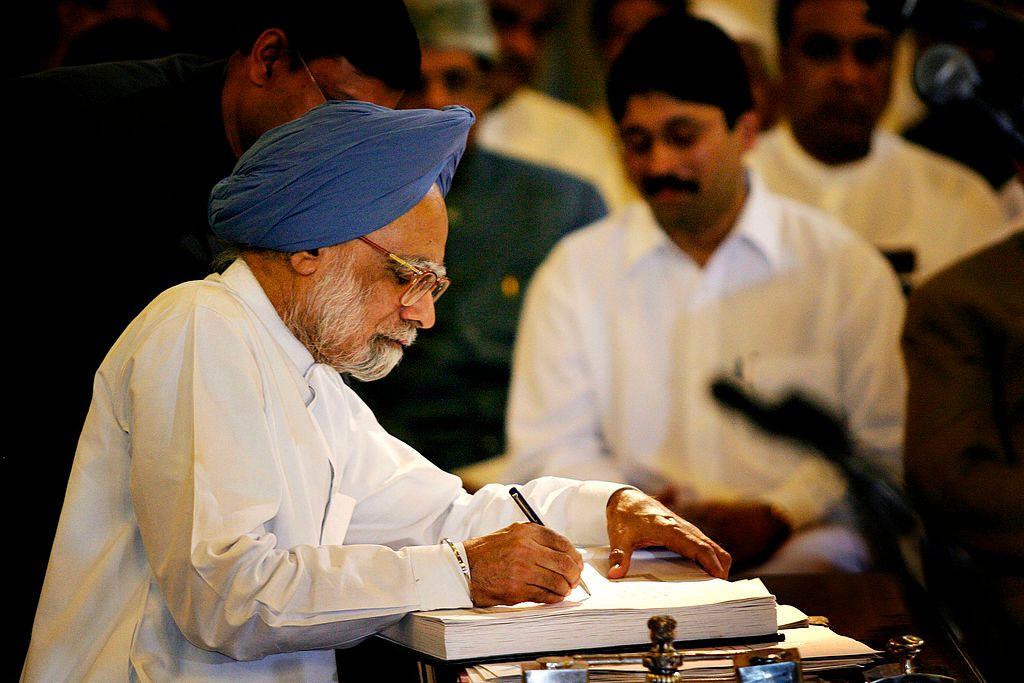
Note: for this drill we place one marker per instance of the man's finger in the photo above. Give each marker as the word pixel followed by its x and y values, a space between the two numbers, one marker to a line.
pixel 702 550
pixel 550 538
pixel 538 594
pixel 550 581
pixel 560 563
pixel 618 560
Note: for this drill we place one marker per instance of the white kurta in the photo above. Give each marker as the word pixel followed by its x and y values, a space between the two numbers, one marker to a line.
pixel 900 196
pixel 538 128
pixel 231 500
pixel 622 333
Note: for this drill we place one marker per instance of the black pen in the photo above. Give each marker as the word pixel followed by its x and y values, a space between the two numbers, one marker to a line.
pixel 520 500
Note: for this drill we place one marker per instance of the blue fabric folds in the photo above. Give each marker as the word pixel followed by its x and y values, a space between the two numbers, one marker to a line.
pixel 342 170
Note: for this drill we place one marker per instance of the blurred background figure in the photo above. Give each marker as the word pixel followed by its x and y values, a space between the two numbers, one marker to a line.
pixel 964 343
pixel 963 132
pixel 757 46
pixel 628 320
pixel 528 124
pixel 922 209
pixel 72 32
pixel 447 398
pixel 964 348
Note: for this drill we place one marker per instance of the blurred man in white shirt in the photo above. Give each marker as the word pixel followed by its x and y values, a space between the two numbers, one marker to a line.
pixel 924 209
pixel 629 320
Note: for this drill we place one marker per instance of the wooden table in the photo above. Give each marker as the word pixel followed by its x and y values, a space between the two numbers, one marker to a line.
pixel 873 607
pixel 870 607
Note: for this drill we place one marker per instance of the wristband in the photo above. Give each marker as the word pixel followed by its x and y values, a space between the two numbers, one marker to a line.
pixel 458 558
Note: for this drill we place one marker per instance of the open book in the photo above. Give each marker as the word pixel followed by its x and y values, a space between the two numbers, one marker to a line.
pixel 614 615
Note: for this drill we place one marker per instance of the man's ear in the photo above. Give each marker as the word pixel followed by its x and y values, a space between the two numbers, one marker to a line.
pixel 747 126
pixel 269 52
pixel 306 262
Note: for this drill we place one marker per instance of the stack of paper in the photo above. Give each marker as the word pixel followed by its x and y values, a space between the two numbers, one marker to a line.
pixel 614 615
pixel 820 649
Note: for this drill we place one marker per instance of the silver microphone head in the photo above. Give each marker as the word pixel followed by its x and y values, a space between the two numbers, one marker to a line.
pixel 944 74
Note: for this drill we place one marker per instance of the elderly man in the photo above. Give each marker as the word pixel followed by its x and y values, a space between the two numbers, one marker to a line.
pixel 234 510
pixel 924 209
pixel 116 162
pixel 505 215
pixel 629 320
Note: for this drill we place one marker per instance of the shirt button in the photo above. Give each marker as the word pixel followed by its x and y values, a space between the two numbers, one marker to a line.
pixel 510 286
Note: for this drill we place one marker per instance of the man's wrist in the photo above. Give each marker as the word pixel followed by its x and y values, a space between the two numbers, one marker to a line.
pixel 440 583
pixel 616 495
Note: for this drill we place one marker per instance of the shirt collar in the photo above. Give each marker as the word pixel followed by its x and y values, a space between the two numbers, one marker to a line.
pixel 242 282
pixel 807 166
pixel 757 224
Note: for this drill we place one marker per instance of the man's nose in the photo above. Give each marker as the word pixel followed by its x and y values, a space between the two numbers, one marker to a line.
pixel 435 94
pixel 662 159
pixel 421 313
pixel 848 70
pixel 521 42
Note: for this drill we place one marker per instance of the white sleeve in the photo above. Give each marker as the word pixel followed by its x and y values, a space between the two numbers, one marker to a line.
pixel 207 492
pixel 872 388
pixel 206 488
pixel 873 378
pixel 553 422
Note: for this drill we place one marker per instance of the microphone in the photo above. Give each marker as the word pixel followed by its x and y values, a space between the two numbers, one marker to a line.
pixel 944 75
pixel 802 420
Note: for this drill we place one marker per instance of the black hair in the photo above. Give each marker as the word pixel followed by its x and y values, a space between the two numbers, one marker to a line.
pixel 376 36
pixel 784 11
pixel 687 58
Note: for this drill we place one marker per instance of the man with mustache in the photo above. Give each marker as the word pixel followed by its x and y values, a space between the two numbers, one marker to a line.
pixel 629 319
pixel 836 75
pixel 234 510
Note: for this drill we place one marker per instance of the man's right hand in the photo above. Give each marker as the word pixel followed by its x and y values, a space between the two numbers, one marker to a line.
pixel 521 563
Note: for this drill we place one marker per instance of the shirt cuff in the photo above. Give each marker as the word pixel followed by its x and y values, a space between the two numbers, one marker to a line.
pixel 440 583
pixel 588 519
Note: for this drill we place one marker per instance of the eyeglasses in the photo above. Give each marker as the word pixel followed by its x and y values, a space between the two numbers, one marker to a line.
pixel 423 281
pixel 312 78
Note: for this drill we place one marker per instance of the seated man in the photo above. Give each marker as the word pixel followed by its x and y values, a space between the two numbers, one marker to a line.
pixel 448 399
pixel 629 320
pixel 234 511
pixel 924 209
pixel 964 346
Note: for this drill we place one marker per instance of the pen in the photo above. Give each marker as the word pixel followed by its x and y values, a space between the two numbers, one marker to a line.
pixel 520 500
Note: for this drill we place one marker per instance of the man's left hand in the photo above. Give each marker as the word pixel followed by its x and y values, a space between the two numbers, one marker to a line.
pixel 635 520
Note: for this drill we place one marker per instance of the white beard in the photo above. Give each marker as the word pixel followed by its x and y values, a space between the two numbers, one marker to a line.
pixel 330 317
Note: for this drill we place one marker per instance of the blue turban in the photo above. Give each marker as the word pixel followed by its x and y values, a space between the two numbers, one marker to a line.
pixel 341 171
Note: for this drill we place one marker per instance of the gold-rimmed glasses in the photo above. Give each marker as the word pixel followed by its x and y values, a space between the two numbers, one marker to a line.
pixel 423 280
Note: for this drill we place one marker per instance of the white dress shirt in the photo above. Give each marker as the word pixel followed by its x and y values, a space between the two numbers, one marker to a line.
pixel 535 127
pixel 231 500
pixel 622 333
pixel 900 196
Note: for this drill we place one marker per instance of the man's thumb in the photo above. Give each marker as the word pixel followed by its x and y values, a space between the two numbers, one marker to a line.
pixel 618 560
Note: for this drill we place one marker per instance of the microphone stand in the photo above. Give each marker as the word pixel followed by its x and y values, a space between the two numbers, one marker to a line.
pixel 886 508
